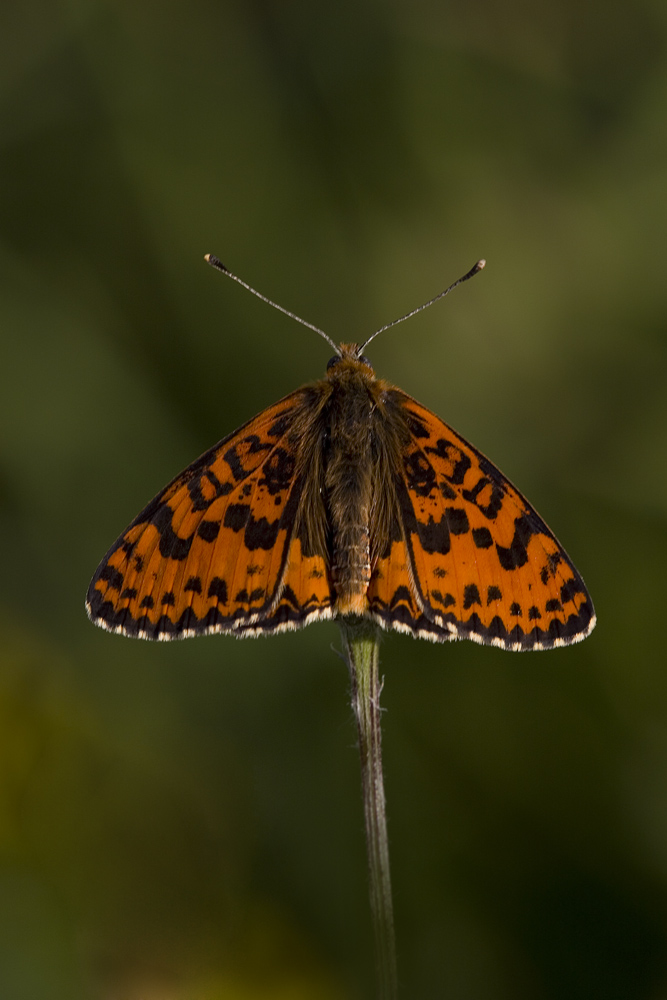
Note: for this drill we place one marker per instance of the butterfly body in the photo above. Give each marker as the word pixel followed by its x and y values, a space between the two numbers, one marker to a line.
pixel 361 447
pixel 347 497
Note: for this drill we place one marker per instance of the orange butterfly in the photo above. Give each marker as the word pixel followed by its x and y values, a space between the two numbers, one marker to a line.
pixel 347 497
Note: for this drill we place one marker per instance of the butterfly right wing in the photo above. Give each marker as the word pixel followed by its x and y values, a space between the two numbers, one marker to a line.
pixel 216 550
pixel 470 558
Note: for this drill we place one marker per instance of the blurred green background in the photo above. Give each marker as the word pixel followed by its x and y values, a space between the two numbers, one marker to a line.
pixel 183 821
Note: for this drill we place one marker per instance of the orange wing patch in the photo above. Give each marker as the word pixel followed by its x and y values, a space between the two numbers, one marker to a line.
pixel 480 562
pixel 213 552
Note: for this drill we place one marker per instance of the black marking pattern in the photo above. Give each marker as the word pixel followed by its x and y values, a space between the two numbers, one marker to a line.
pixel 209 530
pixel 218 589
pixel 482 538
pixel 470 596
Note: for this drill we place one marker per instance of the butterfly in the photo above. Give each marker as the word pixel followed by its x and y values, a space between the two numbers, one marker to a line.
pixel 345 498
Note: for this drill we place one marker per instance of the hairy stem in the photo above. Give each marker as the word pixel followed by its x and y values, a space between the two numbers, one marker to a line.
pixel 361 642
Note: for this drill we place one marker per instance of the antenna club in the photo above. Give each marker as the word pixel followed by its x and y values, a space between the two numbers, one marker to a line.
pixel 214 261
pixel 480 265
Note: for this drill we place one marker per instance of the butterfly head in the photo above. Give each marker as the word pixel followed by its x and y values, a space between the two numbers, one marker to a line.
pixel 349 358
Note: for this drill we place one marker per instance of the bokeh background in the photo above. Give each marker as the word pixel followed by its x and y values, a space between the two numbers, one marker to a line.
pixel 183 821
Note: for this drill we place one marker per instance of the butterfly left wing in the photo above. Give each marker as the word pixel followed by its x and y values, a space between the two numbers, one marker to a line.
pixel 216 550
pixel 470 558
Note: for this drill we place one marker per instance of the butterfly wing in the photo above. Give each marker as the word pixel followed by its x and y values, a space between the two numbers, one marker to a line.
pixel 473 559
pixel 216 550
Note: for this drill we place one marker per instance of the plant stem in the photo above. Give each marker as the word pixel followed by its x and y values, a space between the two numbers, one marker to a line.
pixel 361 642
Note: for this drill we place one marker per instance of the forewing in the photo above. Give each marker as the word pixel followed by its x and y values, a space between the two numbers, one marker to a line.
pixel 214 551
pixel 481 563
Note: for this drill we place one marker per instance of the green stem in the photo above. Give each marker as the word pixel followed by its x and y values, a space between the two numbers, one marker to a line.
pixel 361 642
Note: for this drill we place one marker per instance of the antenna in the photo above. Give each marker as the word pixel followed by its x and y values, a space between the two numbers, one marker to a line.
pixel 471 274
pixel 219 266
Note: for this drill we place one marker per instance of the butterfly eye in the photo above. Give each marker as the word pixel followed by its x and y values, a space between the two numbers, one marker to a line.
pixel 337 357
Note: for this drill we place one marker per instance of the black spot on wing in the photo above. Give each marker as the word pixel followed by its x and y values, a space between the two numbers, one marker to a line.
pixel 205 487
pixel 243 597
pixel 459 461
pixel 447 600
pixel 419 473
pixel 495 503
pixel 172 546
pixel 112 576
pixel 434 535
pixel 516 554
pixel 252 445
pixel 260 533
pixel 447 491
pixel 209 530
pixel 457 520
pixel 278 471
pixel 236 516
pixel 470 596
pixel 482 538
pixel 218 589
